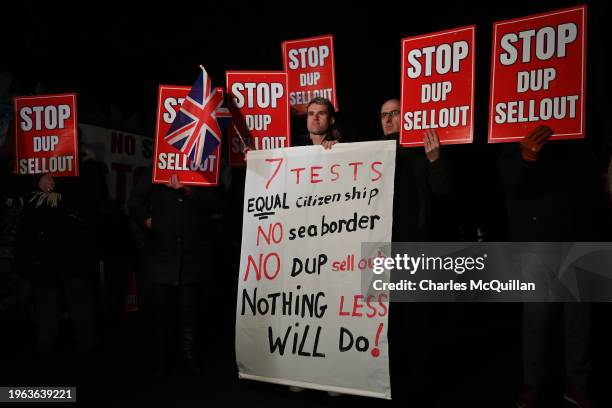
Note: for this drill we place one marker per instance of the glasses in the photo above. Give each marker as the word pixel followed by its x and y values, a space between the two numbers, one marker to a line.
pixel 384 115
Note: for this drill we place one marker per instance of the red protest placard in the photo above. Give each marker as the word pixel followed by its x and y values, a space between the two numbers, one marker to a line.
pixel 438 86
pixel 168 160
pixel 309 62
pixel 46 138
pixel 260 109
pixel 538 75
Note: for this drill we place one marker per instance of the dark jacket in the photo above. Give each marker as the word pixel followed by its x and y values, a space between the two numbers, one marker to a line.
pixel 554 199
pixel 180 243
pixel 417 183
pixel 63 239
pixel 304 140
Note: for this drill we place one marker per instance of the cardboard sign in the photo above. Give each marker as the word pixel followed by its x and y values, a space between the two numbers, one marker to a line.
pixel 538 75
pixel 309 62
pixel 46 137
pixel 167 159
pixel 260 111
pixel 302 317
pixel 438 86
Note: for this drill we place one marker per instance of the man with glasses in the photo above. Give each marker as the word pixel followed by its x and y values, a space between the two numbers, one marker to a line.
pixel 418 179
pixel 420 176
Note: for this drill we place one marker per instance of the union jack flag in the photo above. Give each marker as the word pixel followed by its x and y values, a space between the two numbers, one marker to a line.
pixel 199 124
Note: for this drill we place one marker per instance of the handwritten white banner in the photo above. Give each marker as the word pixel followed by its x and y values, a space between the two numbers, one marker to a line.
pixel 301 316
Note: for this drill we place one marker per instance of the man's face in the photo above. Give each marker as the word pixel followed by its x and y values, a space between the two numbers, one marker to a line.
pixel 390 117
pixel 318 120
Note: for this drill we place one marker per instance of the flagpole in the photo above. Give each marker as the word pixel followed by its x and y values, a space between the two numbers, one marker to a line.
pixel 229 105
pixel 239 135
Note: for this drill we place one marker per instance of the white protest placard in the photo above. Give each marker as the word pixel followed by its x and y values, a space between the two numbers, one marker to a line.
pixel 302 316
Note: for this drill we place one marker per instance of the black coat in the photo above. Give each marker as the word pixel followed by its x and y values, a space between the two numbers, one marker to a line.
pixel 180 247
pixel 555 199
pixel 417 183
pixel 65 239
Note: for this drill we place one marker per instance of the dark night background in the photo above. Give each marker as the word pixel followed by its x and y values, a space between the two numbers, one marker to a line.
pixel 115 55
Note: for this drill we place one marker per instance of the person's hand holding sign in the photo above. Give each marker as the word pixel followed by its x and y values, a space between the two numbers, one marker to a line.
pixel 46 195
pixel 327 144
pixel 534 142
pixel 432 145
pixel 46 183
pixel 175 183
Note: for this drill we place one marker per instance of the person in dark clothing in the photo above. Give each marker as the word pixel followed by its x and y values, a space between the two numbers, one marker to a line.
pixel 419 177
pixel 551 197
pixel 180 258
pixel 57 250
